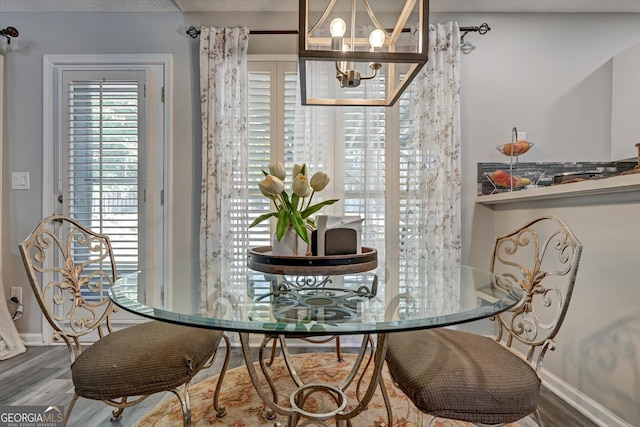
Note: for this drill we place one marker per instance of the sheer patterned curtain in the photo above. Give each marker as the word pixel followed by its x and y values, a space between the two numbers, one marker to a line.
pixel 223 94
pixel 432 159
pixel 10 342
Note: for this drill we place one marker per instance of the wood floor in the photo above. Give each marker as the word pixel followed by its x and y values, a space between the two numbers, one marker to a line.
pixel 41 376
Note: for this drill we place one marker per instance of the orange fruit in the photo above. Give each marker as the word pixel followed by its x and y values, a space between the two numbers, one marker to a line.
pixel 522 146
pixel 509 148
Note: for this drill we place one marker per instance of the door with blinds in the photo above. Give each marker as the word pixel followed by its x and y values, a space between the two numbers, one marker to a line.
pixel 102 174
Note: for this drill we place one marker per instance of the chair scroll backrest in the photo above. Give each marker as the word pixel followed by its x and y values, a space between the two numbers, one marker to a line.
pixel 543 257
pixel 70 269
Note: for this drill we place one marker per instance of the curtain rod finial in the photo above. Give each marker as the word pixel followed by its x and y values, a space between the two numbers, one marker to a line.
pixel 193 32
pixel 482 30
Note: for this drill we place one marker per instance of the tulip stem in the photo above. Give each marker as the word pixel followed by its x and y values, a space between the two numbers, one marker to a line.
pixel 310 197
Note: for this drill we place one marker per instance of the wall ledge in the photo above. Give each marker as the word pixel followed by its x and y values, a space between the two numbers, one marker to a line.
pixel 615 189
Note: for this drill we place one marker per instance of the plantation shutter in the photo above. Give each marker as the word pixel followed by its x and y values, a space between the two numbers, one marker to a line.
pixel 408 228
pixel 272 96
pixel 348 143
pixel 290 94
pixel 100 179
pixel 259 151
pixel 363 166
pixel 272 104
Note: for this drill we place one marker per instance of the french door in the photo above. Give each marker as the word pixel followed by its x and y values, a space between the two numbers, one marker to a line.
pixel 108 157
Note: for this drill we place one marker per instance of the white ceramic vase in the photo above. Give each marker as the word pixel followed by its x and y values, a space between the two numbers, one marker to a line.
pixel 290 245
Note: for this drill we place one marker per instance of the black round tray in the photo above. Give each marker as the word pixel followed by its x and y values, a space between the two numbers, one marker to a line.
pixel 261 259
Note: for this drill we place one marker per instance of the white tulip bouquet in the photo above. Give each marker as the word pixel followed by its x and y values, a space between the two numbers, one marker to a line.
pixel 295 210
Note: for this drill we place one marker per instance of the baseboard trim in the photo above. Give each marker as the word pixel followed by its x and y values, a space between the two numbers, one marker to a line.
pixel 37 339
pixel 581 402
pixel 32 340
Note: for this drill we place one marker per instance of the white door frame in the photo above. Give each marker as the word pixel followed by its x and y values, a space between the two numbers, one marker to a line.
pixel 54 63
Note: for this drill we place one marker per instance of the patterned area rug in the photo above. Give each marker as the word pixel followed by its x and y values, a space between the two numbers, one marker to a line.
pixel 245 409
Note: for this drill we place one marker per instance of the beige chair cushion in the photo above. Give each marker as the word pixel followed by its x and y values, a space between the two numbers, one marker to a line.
pixel 462 376
pixel 142 359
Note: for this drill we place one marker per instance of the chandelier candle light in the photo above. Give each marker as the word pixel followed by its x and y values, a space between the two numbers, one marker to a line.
pixel 292 211
pixel 346 72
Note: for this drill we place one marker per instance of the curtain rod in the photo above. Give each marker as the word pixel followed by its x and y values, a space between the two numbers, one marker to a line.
pixel 481 29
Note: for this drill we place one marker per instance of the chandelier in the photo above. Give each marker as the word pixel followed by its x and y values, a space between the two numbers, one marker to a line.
pixel 344 43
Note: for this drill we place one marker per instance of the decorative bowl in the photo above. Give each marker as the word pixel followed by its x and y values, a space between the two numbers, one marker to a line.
pixel 515 148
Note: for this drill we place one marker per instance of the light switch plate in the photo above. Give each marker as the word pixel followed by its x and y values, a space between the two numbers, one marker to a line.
pixel 20 180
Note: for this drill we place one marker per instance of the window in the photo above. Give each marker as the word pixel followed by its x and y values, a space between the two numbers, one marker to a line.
pixel 354 151
pixel 101 158
pixel 363 163
pixel 272 98
pixel 367 152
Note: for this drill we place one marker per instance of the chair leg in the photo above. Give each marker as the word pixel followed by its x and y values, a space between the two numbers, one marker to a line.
pixel 221 411
pixel 185 403
pixel 116 414
pixel 538 418
pixel 421 419
pixel 338 352
pixel 74 399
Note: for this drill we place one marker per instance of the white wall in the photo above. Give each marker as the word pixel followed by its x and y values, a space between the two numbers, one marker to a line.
pixel 87 33
pixel 625 114
pixel 548 74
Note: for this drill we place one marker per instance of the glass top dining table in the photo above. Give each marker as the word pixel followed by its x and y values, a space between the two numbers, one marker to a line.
pixel 423 295
pixel 399 294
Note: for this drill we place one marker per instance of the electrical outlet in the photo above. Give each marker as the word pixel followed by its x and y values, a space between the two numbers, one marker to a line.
pixel 522 136
pixel 16 291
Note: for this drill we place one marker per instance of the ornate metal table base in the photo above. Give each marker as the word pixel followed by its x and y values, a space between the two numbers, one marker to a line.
pixel 296 415
pixel 299 397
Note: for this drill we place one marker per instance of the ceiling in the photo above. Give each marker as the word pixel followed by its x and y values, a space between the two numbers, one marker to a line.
pixel 568 6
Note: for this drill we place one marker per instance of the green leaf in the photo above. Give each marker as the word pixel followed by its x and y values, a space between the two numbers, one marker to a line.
pixel 294 201
pixel 315 208
pixel 287 203
pixel 298 225
pixel 263 217
pixel 283 224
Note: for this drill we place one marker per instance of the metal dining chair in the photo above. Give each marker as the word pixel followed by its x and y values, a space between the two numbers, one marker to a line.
pixel 70 269
pixel 495 380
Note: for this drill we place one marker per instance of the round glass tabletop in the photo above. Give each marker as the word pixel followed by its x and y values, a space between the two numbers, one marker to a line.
pixel 398 295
